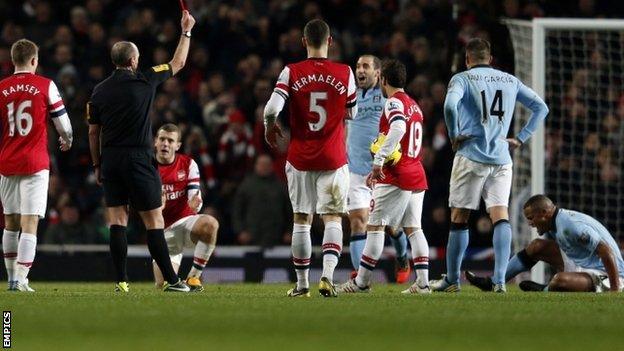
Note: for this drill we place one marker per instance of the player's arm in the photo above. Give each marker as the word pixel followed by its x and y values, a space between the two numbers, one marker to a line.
pixel 193 190
pixel 398 127
pixel 538 107
pixel 351 97
pixel 274 106
pixel 59 116
pixel 95 129
pixel 181 52
pixel 454 94
pixel 587 237
pixel 608 260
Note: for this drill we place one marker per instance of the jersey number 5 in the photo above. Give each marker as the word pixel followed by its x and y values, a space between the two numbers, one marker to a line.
pixel 315 97
pixel 23 117
pixel 496 109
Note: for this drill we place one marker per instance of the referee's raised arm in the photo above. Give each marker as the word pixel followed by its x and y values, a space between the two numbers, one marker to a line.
pixel 121 143
pixel 181 52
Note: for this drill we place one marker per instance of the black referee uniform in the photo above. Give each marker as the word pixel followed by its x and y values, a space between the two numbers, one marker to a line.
pixel 121 104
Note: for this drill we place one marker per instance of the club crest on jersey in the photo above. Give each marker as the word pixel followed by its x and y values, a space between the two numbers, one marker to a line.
pixel 181 175
pixel 377 98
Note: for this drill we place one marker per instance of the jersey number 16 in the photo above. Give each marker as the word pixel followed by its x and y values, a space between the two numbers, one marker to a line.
pixel 24 120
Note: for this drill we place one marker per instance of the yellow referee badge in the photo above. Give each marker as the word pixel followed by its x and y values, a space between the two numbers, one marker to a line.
pixel 160 68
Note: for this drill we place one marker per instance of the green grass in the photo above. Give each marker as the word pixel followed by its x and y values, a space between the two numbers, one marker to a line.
pixel 88 316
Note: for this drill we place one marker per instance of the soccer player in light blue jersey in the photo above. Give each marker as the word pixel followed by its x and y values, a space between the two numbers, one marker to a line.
pixel 362 131
pixel 578 246
pixel 478 110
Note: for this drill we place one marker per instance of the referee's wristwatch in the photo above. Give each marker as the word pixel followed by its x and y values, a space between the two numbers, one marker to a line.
pixel 187 33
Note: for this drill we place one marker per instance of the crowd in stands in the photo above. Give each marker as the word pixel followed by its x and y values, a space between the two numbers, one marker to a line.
pixel 238 49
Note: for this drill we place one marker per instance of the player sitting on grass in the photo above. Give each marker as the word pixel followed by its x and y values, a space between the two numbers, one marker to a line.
pixel 577 245
pixel 182 200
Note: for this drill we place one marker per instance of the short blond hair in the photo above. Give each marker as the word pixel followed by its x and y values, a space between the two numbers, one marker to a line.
pixel 22 51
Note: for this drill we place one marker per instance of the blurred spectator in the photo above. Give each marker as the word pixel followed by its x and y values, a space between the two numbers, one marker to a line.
pixel 261 211
pixel 71 229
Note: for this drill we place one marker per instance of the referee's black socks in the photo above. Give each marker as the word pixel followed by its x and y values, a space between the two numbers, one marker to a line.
pixel 119 251
pixel 160 253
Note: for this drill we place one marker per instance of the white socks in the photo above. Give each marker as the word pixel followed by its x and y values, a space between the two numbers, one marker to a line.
pixel 9 250
pixel 25 256
pixel 371 254
pixel 200 258
pixel 301 247
pixel 332 247
pixel 420 256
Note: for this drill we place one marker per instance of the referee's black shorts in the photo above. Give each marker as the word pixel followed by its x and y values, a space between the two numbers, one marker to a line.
pixel 130 176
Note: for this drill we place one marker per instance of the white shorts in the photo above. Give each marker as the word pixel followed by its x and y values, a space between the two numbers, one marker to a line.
pixel 318 192
pixel 360 195
pixel 396 207
pixel 178 237
pixel 599 278
pixel 472 180
pixel 25 195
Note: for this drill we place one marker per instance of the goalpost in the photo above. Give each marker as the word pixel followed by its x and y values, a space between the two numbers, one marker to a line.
pixel 577 157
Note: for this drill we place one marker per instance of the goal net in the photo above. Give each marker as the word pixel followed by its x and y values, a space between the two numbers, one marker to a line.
pixel 577 66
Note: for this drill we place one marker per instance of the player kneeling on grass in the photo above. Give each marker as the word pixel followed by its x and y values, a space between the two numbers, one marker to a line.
pixel 181 201
pixel 400 183
pixel 578 246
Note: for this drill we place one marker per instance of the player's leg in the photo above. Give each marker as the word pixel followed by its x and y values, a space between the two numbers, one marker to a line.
pixel 572 282
pixel 175 236
pixel 399 242
pixel 9 196
pixel 33 202
pixel 496 191
pixel 538 250
pixel 159 281
pixel 411 223
pixel 114 173
pixel 467 178
pixel 359 201
pixel 117 217
pixel 358 219
pixel 390 203
pixel 332 188
pixel 303 200
pixel 203 234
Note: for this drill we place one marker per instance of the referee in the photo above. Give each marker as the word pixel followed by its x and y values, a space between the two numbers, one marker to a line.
pixel 121 143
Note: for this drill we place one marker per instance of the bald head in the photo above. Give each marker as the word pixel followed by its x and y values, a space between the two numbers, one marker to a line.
pixel 540 203
pixel 539 211
pixel 124 53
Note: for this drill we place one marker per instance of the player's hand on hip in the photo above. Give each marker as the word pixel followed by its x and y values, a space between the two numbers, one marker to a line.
pixel 513 143
pixel 271 132
pixel 187 21
pixel 458 140
pixel 64 146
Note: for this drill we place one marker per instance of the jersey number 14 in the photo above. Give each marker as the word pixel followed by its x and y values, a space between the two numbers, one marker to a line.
pixel 496 109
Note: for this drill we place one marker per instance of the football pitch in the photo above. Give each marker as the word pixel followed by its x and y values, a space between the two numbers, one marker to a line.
pixel 89 316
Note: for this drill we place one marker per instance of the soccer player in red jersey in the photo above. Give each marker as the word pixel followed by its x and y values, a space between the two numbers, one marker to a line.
pixel 182 200
pixel 322 94
pixel 26 101
pixel 399 188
